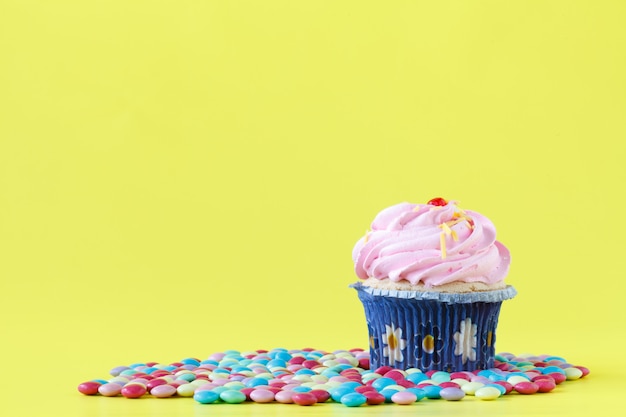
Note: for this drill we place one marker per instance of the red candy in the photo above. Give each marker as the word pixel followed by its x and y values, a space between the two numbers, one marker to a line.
pixel 526 387
pixel 364 388
pixel 89 387
pixel 374 397
pixel 395 375
pixel 558 377
pixel 383 370
pixel 297 360
pixel 304 398
pixel 459 375
pixel 321 395
pixel 545 385
pixel 310 364
pixel 155 383
pixel 133 390
pixel 405 383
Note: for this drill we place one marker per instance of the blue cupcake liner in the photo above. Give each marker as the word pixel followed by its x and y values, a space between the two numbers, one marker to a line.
pixel 432 331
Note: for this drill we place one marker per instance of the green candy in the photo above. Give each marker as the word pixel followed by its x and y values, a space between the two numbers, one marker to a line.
pixel 233 396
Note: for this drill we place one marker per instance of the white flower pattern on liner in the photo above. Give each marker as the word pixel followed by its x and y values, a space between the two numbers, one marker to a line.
pixel 465 340
pixel 394 342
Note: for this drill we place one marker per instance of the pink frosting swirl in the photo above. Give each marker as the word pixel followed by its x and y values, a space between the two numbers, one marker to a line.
pixel 432 245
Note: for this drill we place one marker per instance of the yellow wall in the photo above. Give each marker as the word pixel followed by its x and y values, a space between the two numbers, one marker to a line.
pixel 183 177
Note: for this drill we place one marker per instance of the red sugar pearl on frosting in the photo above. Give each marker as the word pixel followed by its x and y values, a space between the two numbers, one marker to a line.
pixel 437 201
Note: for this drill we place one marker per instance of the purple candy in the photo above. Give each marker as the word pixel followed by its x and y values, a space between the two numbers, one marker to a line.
pixel 452 394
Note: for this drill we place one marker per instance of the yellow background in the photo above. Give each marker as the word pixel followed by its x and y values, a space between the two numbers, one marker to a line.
pixel 181 177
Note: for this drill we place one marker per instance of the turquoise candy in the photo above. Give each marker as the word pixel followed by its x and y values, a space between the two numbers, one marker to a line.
pixel 305 371
pixel 550 369
pixel 187 377
pixel 388 393
pixel 277 363
pixel 440 376
pixel 496 377
pixel 353 399
pixel 417 377
pixel 206 397
pixel 381 383
pixel 253 382
pixel 432 391
pixel 337 393
pixel 554 358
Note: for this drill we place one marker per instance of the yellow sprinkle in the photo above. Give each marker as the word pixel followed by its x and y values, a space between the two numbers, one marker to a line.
pixel 455 236
pixel 453 222
pixel 367 236
pixel 442 242
pixel 445 228
pixel 416 208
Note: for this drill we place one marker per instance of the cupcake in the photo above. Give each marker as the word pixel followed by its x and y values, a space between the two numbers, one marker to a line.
pixel 432 283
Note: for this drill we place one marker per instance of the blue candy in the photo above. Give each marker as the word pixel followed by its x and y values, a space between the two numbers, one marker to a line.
pixel 388 393
pixel 206 397
pixel 417 377
pixel 432 391
pixel 338 392
pixel 253 382
pixel 353 399
pixel 382 382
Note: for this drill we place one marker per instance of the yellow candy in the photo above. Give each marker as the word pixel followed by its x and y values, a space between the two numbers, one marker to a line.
pixel 573 373
pixel 487 393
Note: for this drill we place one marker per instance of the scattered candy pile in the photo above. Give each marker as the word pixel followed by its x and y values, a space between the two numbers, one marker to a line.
pixel 309 376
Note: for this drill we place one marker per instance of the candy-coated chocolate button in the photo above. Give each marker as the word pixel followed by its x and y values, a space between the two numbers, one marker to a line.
pixel 110 389
pixel 374 397
pixel 404 397
pixel 232 396
pixel 353 399
pixel 261 395
pixel 487 393
pixel 452 394
pixel 89 387
pixel 206 397
pixel 573 373
pixel 133 390
pixel 304 398
pixel 163 391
